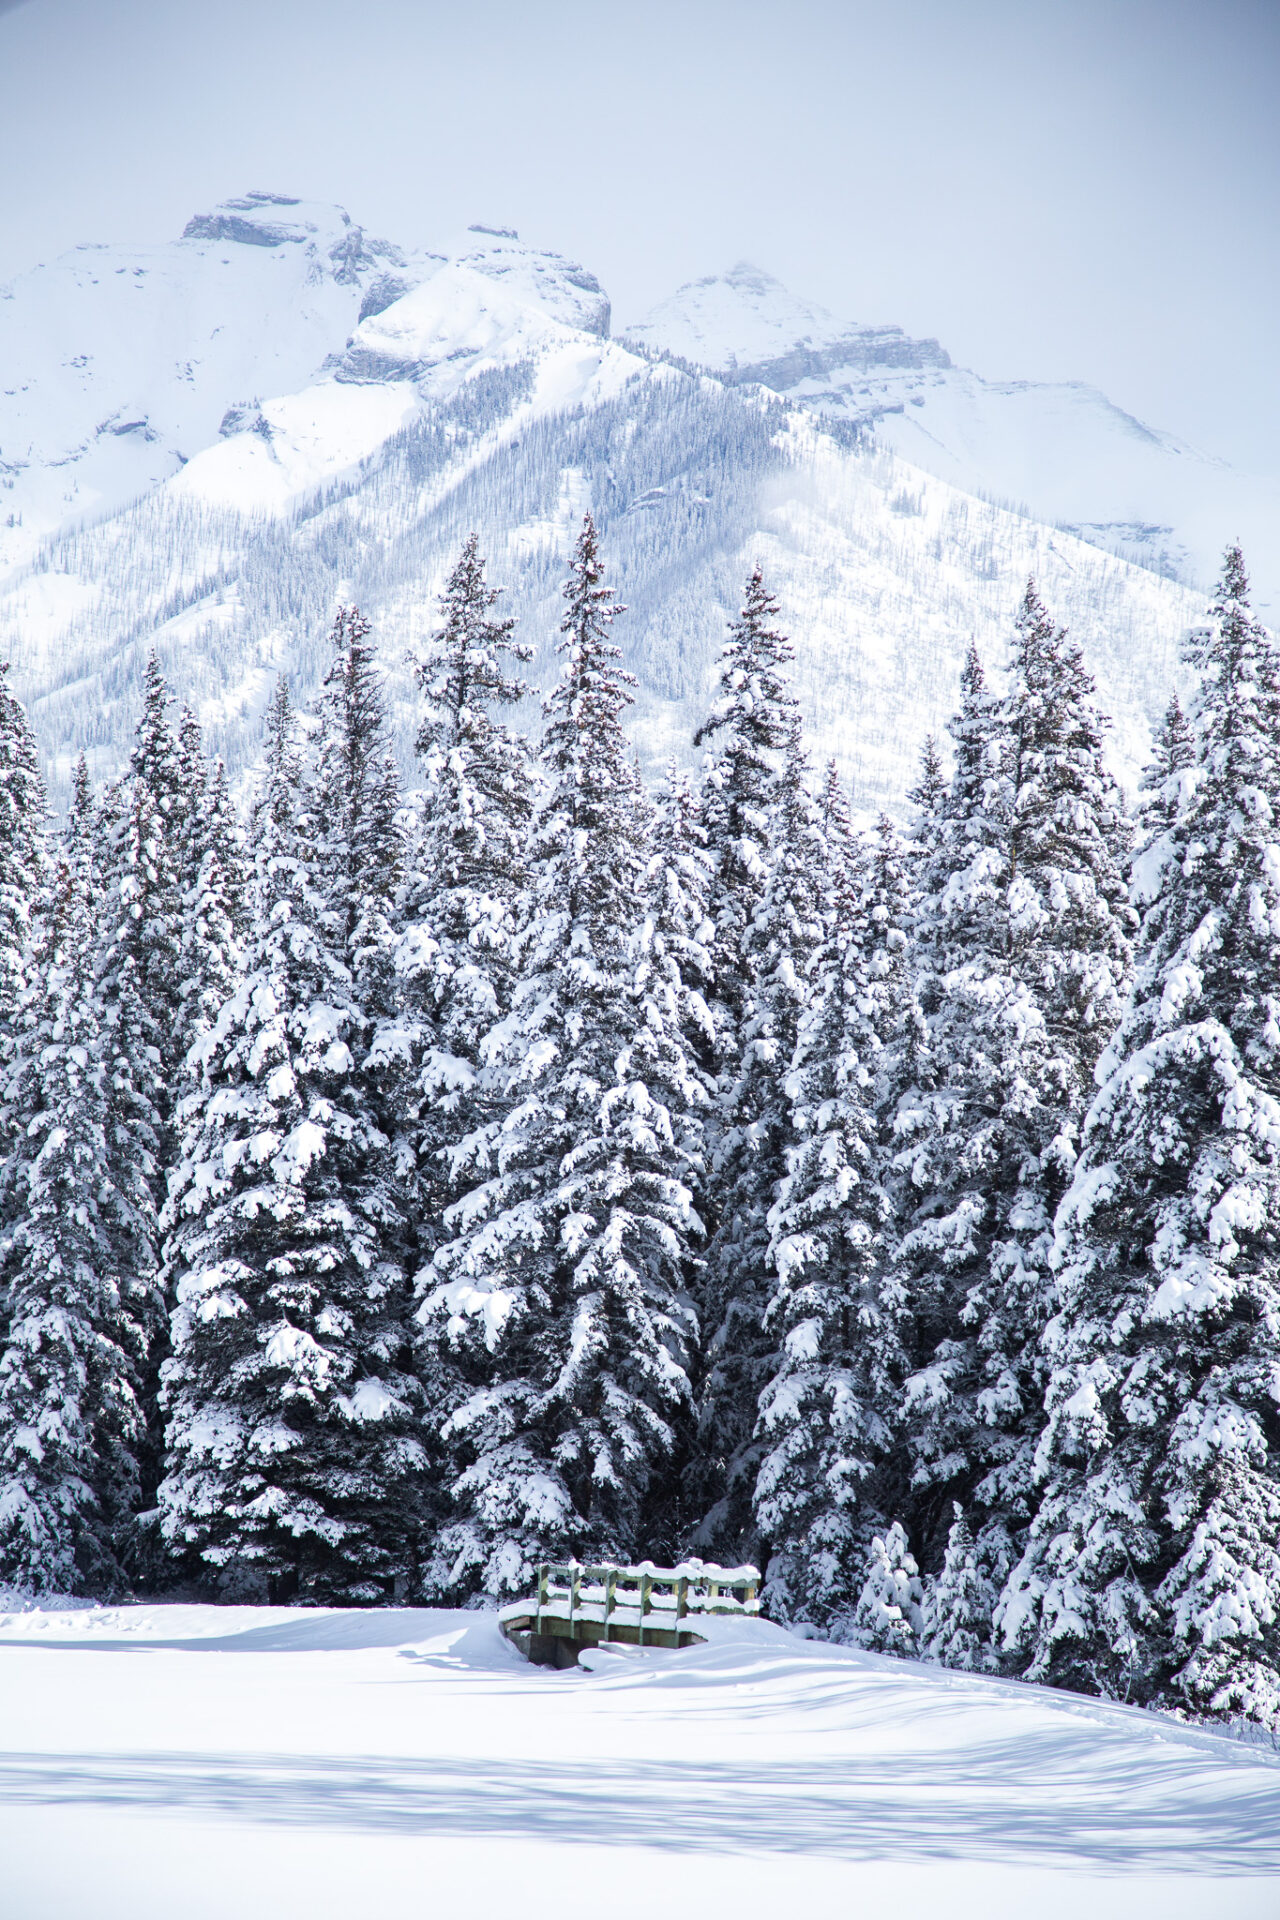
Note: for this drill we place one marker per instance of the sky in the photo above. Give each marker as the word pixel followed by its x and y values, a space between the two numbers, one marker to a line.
pixel 1056 189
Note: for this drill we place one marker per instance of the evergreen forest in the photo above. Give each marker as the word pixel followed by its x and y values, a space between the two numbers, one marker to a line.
pixel 400 1187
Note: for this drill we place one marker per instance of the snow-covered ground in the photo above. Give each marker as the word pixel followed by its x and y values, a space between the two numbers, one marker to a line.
pixel 198 1761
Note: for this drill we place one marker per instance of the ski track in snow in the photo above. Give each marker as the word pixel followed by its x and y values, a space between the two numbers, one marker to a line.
pixel 203 1760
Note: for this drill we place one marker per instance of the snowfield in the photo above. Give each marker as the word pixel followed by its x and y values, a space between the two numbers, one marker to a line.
pixel 190 1761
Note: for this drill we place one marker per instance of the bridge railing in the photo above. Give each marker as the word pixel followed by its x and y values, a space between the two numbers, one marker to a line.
pixel 643 1596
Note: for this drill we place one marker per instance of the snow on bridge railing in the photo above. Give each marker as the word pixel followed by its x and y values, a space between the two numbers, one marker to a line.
pixel 601 1601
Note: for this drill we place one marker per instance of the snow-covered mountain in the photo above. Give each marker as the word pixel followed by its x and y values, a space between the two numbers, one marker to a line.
pixel 207 446
pixel 1060 453
pixel 118 364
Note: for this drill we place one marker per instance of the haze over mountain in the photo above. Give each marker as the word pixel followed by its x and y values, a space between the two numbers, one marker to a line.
pixel 206 444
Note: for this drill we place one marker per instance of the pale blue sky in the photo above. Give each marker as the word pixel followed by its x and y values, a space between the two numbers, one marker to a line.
pixel 1087 190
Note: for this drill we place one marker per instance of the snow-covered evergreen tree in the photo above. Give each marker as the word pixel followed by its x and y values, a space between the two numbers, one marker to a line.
pixel 562 1296
pixel 672 986
pixel 293 1453
pixel 23 859
pixel 470 867
pixel 1023 953
pixel 77 1261
pixel 958 1605
pixel 888 1616
pixel 144 882
pixel 828 1415
pixel 23 876
pixel 1152 1571
pixel 766 911
pixel 209 857
pixel 928 795
pixel 1165 782
pixel 961 1096
pixel 746 737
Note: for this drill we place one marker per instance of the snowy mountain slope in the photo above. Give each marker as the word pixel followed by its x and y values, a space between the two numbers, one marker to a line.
pixel 884 573
pixel 260 1761
pixel 481 389
pixel 1062 452
pixel 495 303
pixel 117 365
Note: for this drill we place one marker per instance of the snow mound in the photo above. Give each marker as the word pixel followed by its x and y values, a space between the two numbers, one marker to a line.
pixel 208 1760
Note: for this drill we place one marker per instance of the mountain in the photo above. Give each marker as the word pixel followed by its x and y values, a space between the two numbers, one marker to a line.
pixel 275 413
pixel 1060 453
pixel 119 364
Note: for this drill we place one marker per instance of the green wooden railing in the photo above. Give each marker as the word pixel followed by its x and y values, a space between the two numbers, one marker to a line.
pixel 660 1597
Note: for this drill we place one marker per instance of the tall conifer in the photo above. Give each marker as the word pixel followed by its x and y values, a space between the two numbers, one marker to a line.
pixel 294 1457
pixel 1152 1570
pixel 561 1297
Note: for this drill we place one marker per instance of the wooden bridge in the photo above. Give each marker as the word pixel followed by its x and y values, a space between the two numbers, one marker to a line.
pixel 646 1606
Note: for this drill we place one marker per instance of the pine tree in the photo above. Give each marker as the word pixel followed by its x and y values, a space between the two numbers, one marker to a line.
pixel 958 1605
pixel 209 860
pixel 672 986
pixel 144 897
pixel 470 868
pixel 1164 783
pixel 1023 950
pixel 23 810
pixel 928 795
pixel 888 1617
pixel 766 917
pixel 843 845
pixel 294 1459
pixel 23 877
pixel 561 1299
pixel 746 735
pixel 1152 1570
pixel 828 1412
pixel 77 1264
pixel 958 1099
pixel 678 931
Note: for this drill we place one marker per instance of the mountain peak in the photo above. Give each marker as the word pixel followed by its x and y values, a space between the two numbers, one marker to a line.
pixel 746 325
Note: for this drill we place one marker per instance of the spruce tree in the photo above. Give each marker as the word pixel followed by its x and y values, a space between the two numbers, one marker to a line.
pixel 959 1103
pixel 294 1460
pixel 959 1601
pixel 1023 950
pixel 23 825
pixel 77 1265
pixel 209 858
pixel 561 1300
pixel 746 737
pixel 888 1616
pixel 825 1415
pixel 672 985
pixel 469 869
pixel 767 923
pixel 1152 1570
pixel 1165 782
pixel 23 877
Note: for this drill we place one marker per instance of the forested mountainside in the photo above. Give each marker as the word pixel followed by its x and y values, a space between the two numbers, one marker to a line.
pixel 275 414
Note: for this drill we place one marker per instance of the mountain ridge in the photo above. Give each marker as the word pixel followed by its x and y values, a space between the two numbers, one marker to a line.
pixel 482 386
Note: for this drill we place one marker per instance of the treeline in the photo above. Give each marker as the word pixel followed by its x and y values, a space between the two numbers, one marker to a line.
pixel 400 1190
